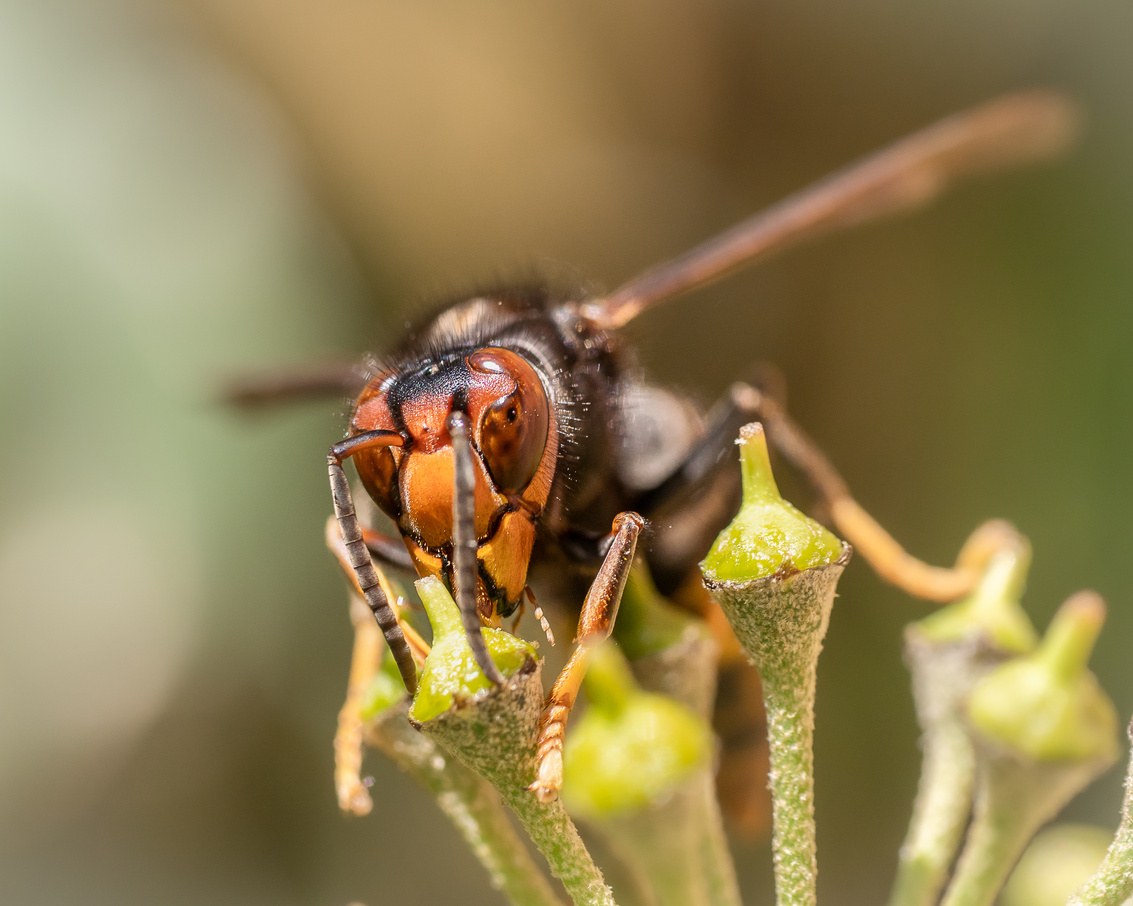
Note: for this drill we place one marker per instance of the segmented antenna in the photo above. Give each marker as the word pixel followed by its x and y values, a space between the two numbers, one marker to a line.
pixel 359 555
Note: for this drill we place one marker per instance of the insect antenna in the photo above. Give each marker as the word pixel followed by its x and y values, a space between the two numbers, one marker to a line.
pixel 359 555
pixel 257 392
pixel 464 543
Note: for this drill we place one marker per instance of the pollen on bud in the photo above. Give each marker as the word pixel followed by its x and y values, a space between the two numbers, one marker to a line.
pixel 1048 706
pixel 769 536
pixel 451 671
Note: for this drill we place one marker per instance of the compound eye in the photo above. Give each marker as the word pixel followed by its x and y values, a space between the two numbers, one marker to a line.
pixel 378 470
pixel 515 426
pixel 377 466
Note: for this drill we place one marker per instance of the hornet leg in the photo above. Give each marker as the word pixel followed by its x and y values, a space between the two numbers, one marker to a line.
pixel 364 663
pixel 594 625
pixel 353 796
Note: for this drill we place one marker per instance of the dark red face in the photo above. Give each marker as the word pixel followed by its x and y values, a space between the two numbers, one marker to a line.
pixel 514 439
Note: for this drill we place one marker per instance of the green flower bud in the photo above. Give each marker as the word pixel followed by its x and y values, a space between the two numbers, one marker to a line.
pixel 386 690
pixel 648 624
pixel 671 652
pixel 768 537
pixel 1058 862
pixel 947 653
pixel 1042 729
pixel 992 610
pixel 1048 706
pixel 631 749
pixel 450 669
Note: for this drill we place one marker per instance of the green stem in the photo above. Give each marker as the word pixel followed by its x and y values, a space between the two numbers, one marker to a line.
pixel 1000 831
pixel 678 846
pixel 470 804
pixel 1014 799
pixel 556 837
pixel 716 858
pixel 780 621
pixel 1112 883
pixel 940 813
pixel 790 731
pixel 493 733
pixel 943 672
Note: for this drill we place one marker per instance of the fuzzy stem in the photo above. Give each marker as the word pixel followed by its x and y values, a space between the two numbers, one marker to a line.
pixel 556 837
pixel 677 846
pixel 1112 883
pixel 999 833
pixel 716 858
pixel 780 621
pixel 1014 799
pixel 493 733
pixel 939 815
pixel 790 731
pixel 943 672
pixel 470 804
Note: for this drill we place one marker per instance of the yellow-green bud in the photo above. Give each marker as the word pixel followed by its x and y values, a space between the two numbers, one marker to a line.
pixel 1048 706
pixel 992 610
pixel 632 749
pixel 768 537
pixel 647 623
pixel 451 669
pixel 385 690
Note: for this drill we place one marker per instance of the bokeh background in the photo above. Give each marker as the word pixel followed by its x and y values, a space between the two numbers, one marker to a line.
pixel 193 190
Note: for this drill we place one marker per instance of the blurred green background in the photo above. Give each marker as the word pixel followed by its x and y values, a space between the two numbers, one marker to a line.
pixel 194 190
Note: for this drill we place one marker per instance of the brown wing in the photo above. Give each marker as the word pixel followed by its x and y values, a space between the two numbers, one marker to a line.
pixel 1012 130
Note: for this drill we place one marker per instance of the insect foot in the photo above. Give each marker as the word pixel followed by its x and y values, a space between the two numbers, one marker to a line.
pixel 638 767
pixel 549 752
pixel 1043 729
pixel 774 573
pixel 491 729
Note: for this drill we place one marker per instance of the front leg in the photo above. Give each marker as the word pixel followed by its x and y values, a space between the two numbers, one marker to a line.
pixel 599 611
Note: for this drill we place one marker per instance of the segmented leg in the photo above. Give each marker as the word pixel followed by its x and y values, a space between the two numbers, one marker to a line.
pixel 358 555
pixel 891 561
pixel 390 551
pixel 599 611
pixel 367 658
